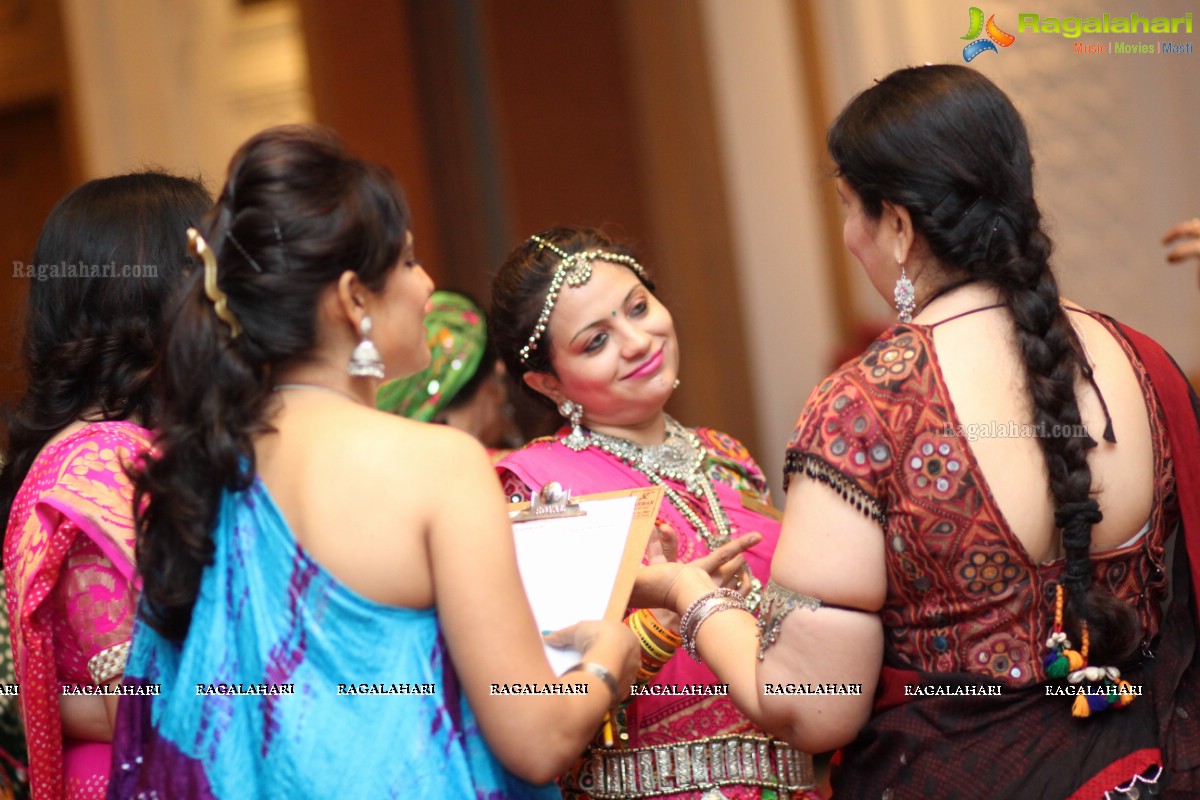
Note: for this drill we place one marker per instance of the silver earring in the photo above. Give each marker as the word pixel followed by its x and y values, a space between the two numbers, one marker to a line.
pixel 905 295
pixel 576 440
pixel 364 360
pixel 675 385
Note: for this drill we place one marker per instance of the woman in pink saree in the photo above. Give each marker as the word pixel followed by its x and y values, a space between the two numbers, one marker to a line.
pixel 575 317
pixel 109 256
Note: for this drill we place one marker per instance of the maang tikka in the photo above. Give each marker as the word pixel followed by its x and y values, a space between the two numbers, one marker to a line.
pixel 905 295
pixel 574 269
pixel 364 360
pixel 576 439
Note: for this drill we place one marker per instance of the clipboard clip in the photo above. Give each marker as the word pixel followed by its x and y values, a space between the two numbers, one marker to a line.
pixel 552 502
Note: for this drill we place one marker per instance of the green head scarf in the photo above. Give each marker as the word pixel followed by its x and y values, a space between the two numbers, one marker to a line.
pixel 457 332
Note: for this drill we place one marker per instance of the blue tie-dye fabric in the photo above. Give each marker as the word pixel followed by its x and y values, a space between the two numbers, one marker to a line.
pixel 268 614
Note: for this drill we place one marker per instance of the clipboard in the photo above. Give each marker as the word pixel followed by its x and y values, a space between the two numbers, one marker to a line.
pixel 582 564
pixel 552 502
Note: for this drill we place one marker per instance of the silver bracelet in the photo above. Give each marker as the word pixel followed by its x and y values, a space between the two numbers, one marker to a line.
pixel 689 642
pixel 703 609
pixel 715 594
pixel 600 672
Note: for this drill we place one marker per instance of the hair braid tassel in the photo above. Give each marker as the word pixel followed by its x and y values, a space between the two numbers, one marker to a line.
pixel 1104 688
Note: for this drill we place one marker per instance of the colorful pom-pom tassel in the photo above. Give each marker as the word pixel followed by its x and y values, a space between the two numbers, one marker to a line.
pixel 1097 703
pixel 1057 666
pixel 1063 662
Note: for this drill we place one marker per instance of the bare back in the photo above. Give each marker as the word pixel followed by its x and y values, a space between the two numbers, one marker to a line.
pixel 410 514
pixel 981 364
pixel 361 490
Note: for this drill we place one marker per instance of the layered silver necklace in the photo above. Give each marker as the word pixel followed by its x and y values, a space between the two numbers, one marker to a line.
pixel 679 458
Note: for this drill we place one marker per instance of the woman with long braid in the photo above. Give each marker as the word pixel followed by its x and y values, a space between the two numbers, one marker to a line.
pixel 975 552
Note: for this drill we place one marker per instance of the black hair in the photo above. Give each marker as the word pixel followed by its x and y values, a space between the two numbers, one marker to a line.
pixel 110 256
pixel 947 144
pixel 295 213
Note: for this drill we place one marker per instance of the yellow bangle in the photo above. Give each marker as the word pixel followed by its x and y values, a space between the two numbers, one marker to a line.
pixel 659 656
pixel 651 623
pixel 645 620
pixel 647 641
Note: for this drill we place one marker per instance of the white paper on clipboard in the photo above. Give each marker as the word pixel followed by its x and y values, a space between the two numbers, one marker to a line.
pixel 577 568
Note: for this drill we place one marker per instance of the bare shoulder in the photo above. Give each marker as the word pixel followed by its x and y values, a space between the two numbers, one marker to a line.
pixel 1098 336
pixel 419 447
pixel 360 452
pixel 1083 317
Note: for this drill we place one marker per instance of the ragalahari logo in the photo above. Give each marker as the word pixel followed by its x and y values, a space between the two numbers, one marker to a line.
pixel 995 36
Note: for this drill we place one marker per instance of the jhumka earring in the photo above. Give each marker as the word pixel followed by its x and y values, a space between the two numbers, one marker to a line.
pixel 576 440
pixel 364 360
pixel 905 295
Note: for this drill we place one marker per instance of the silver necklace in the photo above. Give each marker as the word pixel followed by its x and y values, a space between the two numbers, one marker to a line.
pixel 288 386
pixel 680 458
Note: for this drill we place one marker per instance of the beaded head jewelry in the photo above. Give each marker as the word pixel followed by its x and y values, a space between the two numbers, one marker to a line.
pixel 680 457
pixel 575 269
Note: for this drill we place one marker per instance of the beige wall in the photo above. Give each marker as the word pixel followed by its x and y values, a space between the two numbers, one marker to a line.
pixel 180 84
pixel 773 200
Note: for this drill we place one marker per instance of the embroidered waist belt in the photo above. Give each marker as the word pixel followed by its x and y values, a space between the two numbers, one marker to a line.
pixel 734 760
